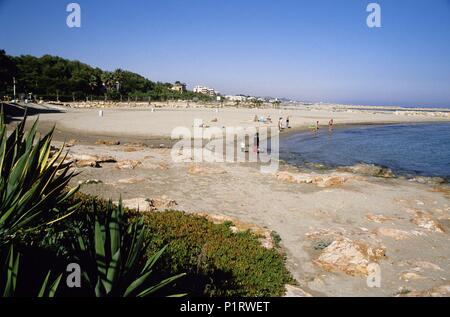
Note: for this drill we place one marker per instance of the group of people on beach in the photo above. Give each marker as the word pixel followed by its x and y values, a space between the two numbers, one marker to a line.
pixel 330 125
pixel 268 119
pixel 280 124
pixel 285 124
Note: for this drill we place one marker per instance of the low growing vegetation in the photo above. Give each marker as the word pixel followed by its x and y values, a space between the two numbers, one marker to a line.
pixel 218 261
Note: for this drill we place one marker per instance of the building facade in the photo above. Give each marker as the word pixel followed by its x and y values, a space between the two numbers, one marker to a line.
pixel 180 87
pixel 206 91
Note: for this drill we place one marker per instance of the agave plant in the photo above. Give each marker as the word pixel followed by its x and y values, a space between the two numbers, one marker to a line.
pixel 32 181
pixel 112 254
pixel 10 274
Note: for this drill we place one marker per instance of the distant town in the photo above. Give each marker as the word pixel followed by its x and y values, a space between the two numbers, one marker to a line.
pixel 212 92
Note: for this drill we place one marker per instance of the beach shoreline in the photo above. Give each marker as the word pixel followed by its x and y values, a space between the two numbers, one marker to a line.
pixel 158 123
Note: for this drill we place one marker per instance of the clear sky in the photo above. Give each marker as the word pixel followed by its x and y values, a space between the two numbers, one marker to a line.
pixel 312 50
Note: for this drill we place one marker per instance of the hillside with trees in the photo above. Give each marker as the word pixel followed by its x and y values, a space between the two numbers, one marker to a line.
pixel 55 78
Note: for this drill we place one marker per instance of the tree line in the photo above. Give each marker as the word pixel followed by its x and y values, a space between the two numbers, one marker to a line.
pixel 52 77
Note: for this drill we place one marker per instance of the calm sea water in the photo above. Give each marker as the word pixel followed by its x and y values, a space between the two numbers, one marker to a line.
pixel 419 149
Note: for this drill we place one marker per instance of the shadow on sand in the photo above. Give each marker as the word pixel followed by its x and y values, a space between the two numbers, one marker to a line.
pixel 14 111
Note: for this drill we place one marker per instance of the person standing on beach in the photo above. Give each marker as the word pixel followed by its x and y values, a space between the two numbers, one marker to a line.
pixel 280 124
pixel 317 126
pixel 257 142
pixel 287 122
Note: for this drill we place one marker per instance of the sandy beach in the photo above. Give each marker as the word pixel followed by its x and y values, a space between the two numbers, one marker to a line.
pixel 333 225
pixel 144 123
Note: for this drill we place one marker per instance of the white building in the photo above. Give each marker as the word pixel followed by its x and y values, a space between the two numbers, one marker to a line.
pixel 206 91
pixel 236 98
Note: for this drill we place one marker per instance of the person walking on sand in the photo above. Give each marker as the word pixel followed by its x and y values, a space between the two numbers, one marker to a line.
pixel 280 124
pixel 317 126
pixel 287 123
pixel 257 142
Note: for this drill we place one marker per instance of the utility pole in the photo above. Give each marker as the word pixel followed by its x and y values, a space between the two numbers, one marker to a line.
pixel 14 88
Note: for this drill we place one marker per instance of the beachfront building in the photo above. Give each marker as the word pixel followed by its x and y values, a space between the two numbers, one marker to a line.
pixel 239 98
pixel 180 87
pixel 206 91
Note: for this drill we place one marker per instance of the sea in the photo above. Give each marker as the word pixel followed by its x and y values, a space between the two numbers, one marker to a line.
pixel 407 149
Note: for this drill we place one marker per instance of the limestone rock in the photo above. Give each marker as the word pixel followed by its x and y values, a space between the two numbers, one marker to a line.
pixel 427 265
pixel 162 203
pixel 350 257
pixel 155 166
pixel 439 291
pixel 380 218
pixel 203 170
pixel 410 276
pixel 87 163
pixel 294 291
pixel 91 160
pixel 136 144
pixel 132 149
pixel 131 180
pixel 393 233
pixel 141 204
pixel 106 142
pixel 128 164
pixel 425 221
pixel 71 143
pixel 318 180
pixel 429 180
pixel 333 234
pixel 370 170
pixel 105 159
pixel 265 235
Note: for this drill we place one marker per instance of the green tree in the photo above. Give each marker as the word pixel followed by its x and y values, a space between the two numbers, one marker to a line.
pixel 8 70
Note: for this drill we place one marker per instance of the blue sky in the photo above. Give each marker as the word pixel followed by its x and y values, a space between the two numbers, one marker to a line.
pixel 312 50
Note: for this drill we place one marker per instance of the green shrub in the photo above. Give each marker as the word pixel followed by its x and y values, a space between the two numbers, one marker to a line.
pixel 276 239
pixel 217 261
